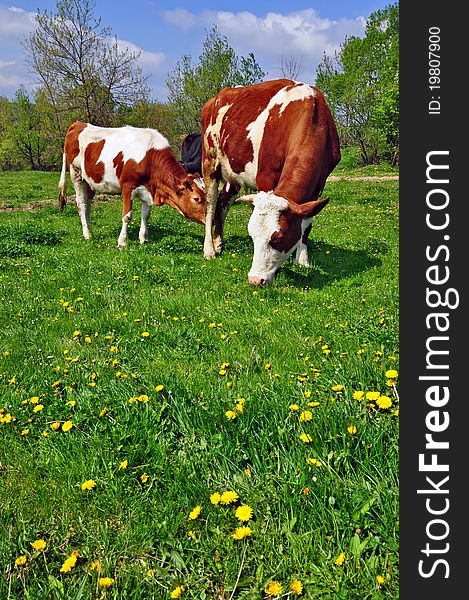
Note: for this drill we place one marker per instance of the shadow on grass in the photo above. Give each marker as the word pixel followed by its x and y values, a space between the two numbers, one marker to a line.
pixel 328 263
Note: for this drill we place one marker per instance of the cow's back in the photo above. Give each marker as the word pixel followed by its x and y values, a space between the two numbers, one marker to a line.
pixel 276 133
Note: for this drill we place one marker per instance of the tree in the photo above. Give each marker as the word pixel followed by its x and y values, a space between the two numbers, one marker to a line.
pixel 361 84
pixel 82 72
pixel 191 85
pixel 291 66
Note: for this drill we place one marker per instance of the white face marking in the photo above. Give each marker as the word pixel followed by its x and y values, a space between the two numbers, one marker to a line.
pixel 133 142
pixel 262 224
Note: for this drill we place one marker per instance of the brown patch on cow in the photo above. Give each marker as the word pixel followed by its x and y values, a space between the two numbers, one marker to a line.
pixel 296 166
pixel 289 233
pixel 118 163
pixel 93 168
pixel 71 145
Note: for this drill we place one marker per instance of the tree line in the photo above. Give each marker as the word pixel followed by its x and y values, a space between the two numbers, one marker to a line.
pixel 83 73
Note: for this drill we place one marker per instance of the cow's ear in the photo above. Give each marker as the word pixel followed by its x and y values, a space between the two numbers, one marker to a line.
pixel 308 209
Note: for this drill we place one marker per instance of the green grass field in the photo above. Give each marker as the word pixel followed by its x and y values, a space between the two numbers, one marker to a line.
pixel 166 381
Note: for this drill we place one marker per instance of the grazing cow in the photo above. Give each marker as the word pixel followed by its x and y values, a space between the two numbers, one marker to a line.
pixel 191 153
pixel 129 160
pixel 279 138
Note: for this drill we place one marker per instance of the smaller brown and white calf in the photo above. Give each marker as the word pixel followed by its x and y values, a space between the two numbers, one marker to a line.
pixel 129 160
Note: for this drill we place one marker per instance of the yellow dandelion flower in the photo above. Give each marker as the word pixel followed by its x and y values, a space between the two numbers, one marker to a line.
pixel 222 372
pixel 228 497
pixel 304 437
pixel 39 545
pixel 124 464
pixel 45 434
pixel 314 461
pixel 372 395
pixel 379 579
pixel 392 374
pixel 38 408
pixel 106 582
pixel 177 592
pixel 103 411
pixel 150 572
pixel 144 478
pixel 307 393
pixel 76 333
pixel 230 414
pixel 267 366
pixel 241 532
pixel 143 398
pixel 34 399
pixel 195 512
pixel 69 562
pixel 306 415
pixel 337 388
pixel 243 512
pixel 305 490
pixel 352 429
pixel 21 560
pixel 113 349
pixel 159 388
pixel 89 484
pixel 71 403
pixel 25 432
pixel 215 498
pixel 296 587
pixel 67 426
pixel 95 566
pixel 384 402
pixel 273 588
pixel 145 334
pixel 313 404
pixel 294 407
pixel 229 384
pixel 339 561
pixel 240 405
pixel 358 395
pixel 55 425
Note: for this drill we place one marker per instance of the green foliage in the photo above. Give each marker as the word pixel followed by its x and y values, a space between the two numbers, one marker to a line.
pixel 72 326
pixel 191 85
pixel 361 83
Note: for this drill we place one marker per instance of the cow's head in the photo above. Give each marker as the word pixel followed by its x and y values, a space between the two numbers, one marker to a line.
pixel 189 198
pixel 276 227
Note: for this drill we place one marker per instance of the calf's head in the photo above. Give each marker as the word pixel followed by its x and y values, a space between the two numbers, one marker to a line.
pixel 189 198
pixel 276 227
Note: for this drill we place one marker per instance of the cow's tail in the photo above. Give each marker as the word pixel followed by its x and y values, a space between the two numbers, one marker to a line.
pixel 63 184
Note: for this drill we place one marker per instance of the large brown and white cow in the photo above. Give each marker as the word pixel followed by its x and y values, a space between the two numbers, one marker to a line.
pixel 129 160
pixel 279 138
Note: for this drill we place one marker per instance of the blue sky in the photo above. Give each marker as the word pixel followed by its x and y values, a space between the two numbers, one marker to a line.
pixel 164 30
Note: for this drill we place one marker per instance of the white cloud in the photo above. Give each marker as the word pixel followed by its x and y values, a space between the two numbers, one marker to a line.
pixel 303 33
pixel 15 23
pixel 181 18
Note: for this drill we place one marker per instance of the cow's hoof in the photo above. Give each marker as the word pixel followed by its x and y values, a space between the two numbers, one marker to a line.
pixel 209 252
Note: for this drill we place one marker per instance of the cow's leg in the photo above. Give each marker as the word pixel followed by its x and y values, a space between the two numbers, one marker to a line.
pixel 302 248
pixel 83 194
pixel 143 233
pixel 223 204
pixel 126 216
pixel 212 197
